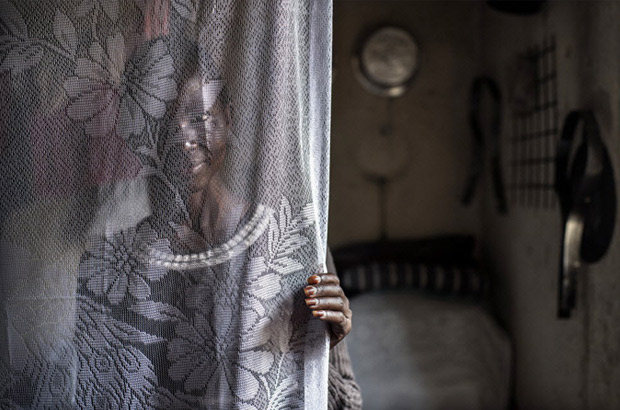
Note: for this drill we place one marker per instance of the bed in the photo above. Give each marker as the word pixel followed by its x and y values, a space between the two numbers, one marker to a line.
pixel 424 336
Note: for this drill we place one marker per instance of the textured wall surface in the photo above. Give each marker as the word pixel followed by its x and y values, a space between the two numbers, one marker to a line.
pixel 600 89
pixel 574 363
pixel 430 121
pixel 559 364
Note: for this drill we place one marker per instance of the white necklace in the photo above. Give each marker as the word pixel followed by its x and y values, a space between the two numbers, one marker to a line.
pixel 242 240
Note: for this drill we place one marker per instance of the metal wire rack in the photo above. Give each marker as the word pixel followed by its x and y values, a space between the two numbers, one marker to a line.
pixel 535 132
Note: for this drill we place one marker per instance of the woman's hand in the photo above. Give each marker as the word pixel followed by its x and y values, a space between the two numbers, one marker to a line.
pixel 328 302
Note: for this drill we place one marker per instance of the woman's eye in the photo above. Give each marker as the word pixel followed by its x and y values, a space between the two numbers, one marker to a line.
pixel 212 122
pixel 200 118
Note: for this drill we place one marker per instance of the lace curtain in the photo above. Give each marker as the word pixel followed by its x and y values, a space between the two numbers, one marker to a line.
pixel 163 199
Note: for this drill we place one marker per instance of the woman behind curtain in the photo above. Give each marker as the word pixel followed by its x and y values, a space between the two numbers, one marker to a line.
pixel 138 268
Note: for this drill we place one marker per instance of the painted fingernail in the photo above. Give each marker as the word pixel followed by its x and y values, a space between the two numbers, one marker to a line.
pixel 312 302
pixel 314 280
pixel 310 290
pixel 318 313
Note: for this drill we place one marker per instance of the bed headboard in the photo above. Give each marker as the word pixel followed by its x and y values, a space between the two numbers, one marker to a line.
pixel 443 265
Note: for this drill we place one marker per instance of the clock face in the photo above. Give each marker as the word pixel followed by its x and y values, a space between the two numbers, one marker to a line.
pixel 387 61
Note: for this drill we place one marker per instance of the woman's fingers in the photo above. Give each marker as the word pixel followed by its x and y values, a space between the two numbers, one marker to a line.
pixel 340 324
pixel 325 293
pixel 335 317
pixel 322 291
pixel 327 303
pixel 324 278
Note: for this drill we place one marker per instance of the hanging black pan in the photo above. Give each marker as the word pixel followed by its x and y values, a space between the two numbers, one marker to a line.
pixel 585 186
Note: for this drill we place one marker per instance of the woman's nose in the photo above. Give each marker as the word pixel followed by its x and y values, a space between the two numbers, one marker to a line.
pixel 189 137
pixel 190 145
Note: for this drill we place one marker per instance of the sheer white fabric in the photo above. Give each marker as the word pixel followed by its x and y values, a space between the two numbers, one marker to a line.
pixel 163 199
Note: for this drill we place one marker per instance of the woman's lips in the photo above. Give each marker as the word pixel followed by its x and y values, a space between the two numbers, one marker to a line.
pixel 197 168
pixel 198 161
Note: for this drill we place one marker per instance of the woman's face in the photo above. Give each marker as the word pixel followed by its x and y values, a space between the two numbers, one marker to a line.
pixel 204 127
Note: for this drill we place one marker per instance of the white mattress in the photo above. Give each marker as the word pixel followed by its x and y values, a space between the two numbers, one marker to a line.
pixel 410 351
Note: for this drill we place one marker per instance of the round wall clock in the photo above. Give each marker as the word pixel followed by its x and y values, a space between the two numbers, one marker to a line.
pixel 386 61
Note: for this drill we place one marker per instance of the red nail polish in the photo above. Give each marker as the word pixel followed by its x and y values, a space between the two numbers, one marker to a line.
pixel 312 302
pixel 318 313
pixel 314 280
pixel 310 290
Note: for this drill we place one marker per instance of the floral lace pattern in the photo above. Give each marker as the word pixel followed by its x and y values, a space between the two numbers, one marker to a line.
pixel 105 303
pixel 105 94
pixel 222 351
pixel 113 266
pixel 230 344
